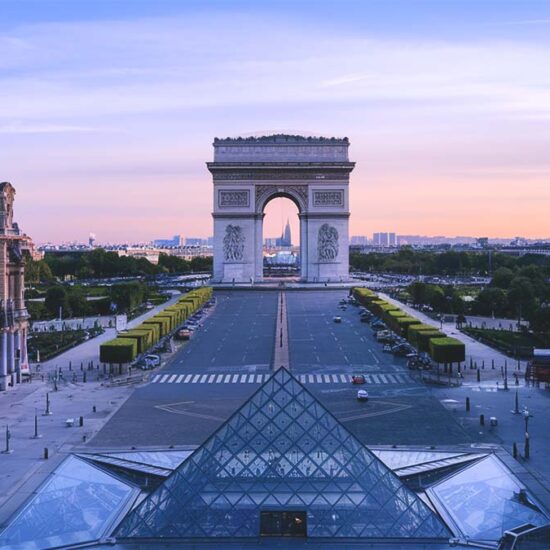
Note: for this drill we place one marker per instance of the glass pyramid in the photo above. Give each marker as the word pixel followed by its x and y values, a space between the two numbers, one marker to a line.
pixel 282 451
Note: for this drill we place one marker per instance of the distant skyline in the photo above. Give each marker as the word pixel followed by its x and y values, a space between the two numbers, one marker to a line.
pixel 108 109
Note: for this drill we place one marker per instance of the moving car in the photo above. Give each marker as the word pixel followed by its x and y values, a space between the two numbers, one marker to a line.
pixel 337 319
pixel 183 334
pixel 362 395
pixel 357 379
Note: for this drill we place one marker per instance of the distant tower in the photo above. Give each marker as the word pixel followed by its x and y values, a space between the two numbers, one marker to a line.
pixel 287 237
pixel 15 247
pixel 91 240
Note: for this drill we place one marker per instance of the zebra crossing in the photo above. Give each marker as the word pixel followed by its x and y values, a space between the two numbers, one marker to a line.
pixel 393 378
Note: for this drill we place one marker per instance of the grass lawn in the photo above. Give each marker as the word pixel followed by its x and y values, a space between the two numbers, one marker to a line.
pixel 512 343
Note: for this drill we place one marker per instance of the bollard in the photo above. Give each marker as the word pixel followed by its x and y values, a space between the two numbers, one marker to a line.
pixel 478 376
pixel 493 364
pixel 467 404
pixel 84 438
pixel 471 363
pixel 483 364
pixel 46 453
pixel 527 448
pixel 515 450
pixel 84 377
pixel 94 409
pixel 482 420
pixel 81 421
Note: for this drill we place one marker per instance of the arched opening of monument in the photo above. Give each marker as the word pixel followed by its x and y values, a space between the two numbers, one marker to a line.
pixel 281 238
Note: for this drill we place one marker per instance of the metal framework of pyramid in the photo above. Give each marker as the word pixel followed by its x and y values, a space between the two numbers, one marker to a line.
pixel 282 451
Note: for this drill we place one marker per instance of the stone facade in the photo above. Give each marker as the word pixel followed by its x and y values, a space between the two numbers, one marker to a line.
pixel 250 172
pixel 14 247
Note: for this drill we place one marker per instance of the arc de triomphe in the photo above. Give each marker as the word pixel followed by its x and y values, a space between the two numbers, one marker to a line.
pixel 250 172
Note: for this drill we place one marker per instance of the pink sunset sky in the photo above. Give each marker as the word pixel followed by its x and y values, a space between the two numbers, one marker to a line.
pixel 107 116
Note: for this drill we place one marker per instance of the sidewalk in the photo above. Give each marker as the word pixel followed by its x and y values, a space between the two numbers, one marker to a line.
pixel 89 351
pixel 477 353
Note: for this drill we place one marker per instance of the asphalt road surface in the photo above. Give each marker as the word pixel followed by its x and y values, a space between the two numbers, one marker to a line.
pixel 231 355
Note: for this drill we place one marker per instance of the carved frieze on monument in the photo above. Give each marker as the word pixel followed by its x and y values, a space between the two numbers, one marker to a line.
pixel 331 197
pixel 234 199
pixel 233 243
pixel 327 243
pixel 299 192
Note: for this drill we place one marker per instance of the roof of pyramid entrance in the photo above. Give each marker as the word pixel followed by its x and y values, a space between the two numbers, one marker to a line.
pixel 281 138
pixel 282 450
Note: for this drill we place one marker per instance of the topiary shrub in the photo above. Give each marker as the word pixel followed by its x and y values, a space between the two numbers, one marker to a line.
pixel 447 350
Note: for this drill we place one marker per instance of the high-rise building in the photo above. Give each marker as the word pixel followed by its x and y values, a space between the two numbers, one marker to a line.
pixel 15 246
pixel 384 239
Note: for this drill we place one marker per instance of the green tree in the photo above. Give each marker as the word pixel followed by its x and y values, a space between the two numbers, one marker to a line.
pixel 502 278
pixel 491 301
pixel 521 297
pixel 56 298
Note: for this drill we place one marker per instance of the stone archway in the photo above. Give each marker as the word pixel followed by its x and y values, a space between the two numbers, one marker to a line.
pixel 249 172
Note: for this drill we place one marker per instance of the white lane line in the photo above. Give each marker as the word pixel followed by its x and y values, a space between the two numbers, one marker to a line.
pixel 243 378
pixel 211 378
pixel 335 378
pixel 172 378
pixel 203 379
pixel 156 378
pixel 384 379
pixel 195 378
pixel 187 378
pixel 250 378
pixel 179 379
pixel 326 378
pixel 343 378
pixel 235 378
pixel 376 379
pixel 219 378
pixel 164 378
pixel 391 378
pixel 227 379
pixel 368 379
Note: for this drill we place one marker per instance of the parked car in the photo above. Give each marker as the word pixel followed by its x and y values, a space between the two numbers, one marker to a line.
pixel 153 359
pixel 387 348
pixel 362 395
pixel 183 334
pixel 337 319
pixel 357 379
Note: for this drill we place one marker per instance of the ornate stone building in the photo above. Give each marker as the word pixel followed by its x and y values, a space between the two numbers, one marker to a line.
pixel 14 246
pixel 250 172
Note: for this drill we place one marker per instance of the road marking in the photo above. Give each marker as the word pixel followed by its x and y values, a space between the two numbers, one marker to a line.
pixel 379 378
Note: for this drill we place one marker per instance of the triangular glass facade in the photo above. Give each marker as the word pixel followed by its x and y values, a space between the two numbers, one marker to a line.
pixel 282 451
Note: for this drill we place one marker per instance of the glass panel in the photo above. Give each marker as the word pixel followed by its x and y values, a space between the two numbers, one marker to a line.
pixel 485 500
pixel 165 459
pixel 402 459
pixel 263 460
pixel 77 503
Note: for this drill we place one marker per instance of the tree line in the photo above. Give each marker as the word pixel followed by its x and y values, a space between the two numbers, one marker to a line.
pixel 100 264
pixel 407 261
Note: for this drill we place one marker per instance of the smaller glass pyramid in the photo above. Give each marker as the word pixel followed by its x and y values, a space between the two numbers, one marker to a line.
pixel 282 451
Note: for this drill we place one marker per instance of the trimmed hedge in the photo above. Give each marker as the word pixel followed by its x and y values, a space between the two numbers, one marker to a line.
pixel 447 350
pixel 423 338
pixel 412 334
pixel 144 338
pixel 403 324
pixel 119 350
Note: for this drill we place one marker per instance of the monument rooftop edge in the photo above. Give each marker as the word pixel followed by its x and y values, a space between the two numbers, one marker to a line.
pixel 281 148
